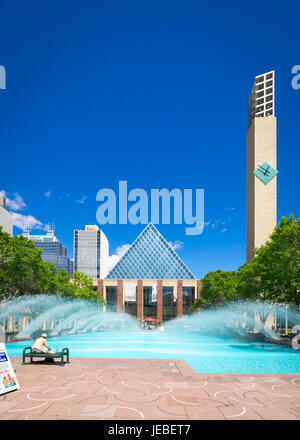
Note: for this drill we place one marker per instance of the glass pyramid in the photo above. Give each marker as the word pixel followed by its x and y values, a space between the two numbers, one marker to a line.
pixel 150 257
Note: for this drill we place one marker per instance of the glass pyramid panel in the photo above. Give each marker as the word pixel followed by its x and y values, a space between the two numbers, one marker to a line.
pixel 150 257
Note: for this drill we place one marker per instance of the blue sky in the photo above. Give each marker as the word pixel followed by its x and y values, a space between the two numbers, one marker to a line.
pixel 154 93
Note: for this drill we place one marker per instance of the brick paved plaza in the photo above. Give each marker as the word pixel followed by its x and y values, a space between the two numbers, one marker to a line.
pixel 141 389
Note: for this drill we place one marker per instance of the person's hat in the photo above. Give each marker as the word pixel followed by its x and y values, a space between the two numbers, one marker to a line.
pixel 44 335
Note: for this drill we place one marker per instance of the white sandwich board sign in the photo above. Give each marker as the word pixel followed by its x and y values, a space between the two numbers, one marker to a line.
pixel 8 379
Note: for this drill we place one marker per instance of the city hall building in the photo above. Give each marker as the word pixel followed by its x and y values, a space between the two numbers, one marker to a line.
pixel 150 280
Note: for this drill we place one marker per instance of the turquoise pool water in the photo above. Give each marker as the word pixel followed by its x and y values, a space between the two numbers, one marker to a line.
pixel 206 354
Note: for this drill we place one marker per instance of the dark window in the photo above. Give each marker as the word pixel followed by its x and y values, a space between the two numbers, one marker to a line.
pixel 150 306
pixel 169 304
pixel 188 299
pixel 111 298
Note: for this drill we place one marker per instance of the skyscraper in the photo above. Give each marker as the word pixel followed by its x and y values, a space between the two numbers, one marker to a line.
pixel 261 162
pixel 91 252
pixel 53 250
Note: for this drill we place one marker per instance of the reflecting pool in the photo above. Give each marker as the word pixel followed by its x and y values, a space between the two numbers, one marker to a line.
pixel 204 353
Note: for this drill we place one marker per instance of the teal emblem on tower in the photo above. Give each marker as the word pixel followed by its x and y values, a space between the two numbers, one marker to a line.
pixel 265 172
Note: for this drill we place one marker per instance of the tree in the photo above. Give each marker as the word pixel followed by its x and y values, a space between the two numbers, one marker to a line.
pixel 84 288
pixel 274 272
pixel 22 269
pixel 64 286
pixel 218 287
pixel 249 281
pixel 198 305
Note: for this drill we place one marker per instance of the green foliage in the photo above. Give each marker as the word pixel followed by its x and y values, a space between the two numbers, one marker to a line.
pixel 274 272
pixel 198 305
pixel 218 287
pixel 64 286
pixel 84 288
pixel 22 269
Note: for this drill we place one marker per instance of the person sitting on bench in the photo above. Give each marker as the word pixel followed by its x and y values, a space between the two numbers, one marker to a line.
pixel 41 344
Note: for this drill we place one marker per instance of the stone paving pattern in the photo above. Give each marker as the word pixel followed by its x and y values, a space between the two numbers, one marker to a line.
pixel 149 389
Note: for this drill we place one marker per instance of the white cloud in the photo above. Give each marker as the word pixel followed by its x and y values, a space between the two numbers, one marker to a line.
pixel 115 258
pixel 21 221
pixel 16 204
pixel 47 193
pixel 175 245
pixel 3 193
pixel 26 221
pixel 218 225
pixel 82 200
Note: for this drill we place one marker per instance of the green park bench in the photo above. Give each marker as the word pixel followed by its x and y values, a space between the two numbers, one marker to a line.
pixel 29 353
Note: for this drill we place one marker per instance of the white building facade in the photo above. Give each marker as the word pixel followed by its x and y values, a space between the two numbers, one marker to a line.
pixel 6 218
pixel 91 250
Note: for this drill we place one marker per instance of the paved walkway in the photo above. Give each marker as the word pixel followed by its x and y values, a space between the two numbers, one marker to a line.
pixel 136 389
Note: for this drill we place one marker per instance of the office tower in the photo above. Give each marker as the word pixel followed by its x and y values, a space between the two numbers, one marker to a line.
pixel 6 218
pixel 91 252
pixel 261 163
pixel 53 251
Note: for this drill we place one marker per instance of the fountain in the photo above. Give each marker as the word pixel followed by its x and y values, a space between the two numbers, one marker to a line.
pixel 58 315
pixel 236 338
pixel 245 319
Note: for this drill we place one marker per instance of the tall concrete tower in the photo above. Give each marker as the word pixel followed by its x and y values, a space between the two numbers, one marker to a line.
pixel 261 162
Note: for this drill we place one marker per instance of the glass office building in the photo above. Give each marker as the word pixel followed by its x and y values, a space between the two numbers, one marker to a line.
pixel 150 280
pixel 53 250
pixel 91 252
